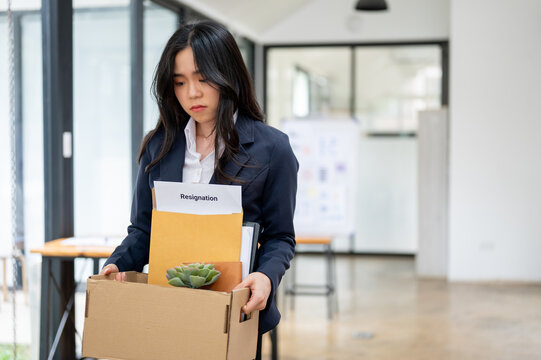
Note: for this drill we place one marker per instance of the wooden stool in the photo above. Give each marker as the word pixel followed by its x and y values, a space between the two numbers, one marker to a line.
pixel 329 288
pixel 19 257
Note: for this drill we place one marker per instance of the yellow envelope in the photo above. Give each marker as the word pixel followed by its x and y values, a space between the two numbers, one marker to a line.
pixel 180 238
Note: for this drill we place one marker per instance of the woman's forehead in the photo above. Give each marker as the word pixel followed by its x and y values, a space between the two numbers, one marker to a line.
pixel 185 63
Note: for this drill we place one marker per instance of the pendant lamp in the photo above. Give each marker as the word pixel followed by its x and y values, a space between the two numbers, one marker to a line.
pixel 371 5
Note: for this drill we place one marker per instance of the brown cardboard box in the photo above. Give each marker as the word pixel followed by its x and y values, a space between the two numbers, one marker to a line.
pixel 136 320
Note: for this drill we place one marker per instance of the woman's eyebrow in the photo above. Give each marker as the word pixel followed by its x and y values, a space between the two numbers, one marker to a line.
pixel 196 72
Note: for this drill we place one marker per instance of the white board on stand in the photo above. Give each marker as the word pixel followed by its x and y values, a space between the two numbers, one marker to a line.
pixel 326 150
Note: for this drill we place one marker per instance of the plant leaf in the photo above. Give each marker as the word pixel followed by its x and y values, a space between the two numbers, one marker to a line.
pixel 213 279
pixel 204 273
pixel 176 282
pixel 171 273
pixel 197 281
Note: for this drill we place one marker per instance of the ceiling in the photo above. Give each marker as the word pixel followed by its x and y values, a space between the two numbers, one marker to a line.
pixel 248 17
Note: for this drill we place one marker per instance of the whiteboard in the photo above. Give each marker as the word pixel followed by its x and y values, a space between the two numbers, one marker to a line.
pixel 326 150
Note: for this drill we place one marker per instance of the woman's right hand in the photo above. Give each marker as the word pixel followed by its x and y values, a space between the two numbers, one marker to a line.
pixel 112 268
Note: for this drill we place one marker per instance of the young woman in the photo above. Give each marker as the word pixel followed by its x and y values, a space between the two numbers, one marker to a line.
pixel 211 129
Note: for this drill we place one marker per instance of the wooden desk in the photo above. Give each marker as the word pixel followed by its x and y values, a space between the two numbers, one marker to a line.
pixel 61 254
pixel 319 240
pixel 58 248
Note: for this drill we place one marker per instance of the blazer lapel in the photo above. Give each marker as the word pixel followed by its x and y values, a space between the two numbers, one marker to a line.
pixel 245 129
pixel 172 163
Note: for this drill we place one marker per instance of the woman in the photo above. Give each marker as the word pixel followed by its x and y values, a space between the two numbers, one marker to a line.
pixel 211 130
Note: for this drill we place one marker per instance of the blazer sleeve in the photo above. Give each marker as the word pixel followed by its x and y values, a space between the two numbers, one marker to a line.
pixel 277 242
pixel 133 252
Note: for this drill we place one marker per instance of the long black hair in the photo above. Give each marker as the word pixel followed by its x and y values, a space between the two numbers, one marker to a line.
pixel 219 60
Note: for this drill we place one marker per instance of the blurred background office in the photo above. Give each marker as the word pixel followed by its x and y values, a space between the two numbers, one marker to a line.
pixel 417 128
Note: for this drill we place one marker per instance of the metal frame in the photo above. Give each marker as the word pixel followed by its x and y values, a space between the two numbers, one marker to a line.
pixel 443 44
pixel 328 289
pixel 57 37
pixel 19 173
pixel 137 98
pixel 57 116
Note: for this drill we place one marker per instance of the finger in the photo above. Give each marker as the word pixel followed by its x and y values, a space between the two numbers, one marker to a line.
pixel 241 285
pixel 123 276
pixel 117 277
pixel 256 302
pixel 253 305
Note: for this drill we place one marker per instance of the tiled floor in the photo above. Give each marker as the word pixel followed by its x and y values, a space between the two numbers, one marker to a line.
pixel 22 313
pixel 385 312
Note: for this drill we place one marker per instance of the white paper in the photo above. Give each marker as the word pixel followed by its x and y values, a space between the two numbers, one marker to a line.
pixel 92 241
pixel 199 199
pixel 246 249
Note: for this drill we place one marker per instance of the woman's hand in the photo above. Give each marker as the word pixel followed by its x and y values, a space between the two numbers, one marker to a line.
pixel 112 268
pixel 260 285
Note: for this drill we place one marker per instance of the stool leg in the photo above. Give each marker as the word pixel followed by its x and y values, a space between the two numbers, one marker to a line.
pixel 330 287
pixel 293 285
pixel 5 279
pixel 281 295
pixel 335 292
pixel 25 282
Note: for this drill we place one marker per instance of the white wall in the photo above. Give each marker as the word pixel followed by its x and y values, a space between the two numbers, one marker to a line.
pixel 336 21
pixel 495 183
pixel 386 219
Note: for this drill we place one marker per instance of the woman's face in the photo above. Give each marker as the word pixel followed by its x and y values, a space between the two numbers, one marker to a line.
pixel 196 96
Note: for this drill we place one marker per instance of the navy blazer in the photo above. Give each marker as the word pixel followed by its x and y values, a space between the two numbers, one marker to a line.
pixel 269 186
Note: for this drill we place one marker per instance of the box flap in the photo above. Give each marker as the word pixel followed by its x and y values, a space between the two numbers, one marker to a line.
pixel 133 320
pixel 230 276
pixel 131 276
pixel 242 335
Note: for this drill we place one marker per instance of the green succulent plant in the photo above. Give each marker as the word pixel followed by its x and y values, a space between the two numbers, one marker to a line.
pixel 193 275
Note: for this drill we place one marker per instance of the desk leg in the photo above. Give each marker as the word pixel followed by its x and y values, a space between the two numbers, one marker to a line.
pixel 44 338
pixel 57 287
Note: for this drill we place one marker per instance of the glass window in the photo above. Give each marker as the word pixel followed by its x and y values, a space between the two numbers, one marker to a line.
pixel 5 143
pixel 159 25
pixel 393 83
pixel 32 97
pixel 247 50
pixel 29 217
pixel 32 117
pixel 101 123
pixel 301 93
pixel 322 90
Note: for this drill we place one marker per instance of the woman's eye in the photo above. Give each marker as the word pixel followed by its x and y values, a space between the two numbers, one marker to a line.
pixel 204 81
pixel 179 83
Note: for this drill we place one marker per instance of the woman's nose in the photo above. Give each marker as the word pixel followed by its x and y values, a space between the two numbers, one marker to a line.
pixel 194 90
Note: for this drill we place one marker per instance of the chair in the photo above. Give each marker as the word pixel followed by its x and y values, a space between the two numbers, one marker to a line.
pixel 329 288
pixel 20 257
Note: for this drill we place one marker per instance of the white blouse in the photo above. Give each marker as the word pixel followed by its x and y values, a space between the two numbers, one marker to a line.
pixel 196 170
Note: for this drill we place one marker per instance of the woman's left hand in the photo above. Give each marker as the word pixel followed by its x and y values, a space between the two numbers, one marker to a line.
pixel 260 285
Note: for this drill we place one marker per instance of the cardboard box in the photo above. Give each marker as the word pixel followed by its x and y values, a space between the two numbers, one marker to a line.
pixel 136 320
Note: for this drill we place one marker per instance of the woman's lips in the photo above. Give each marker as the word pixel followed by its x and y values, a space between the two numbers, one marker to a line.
pixel 197 108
